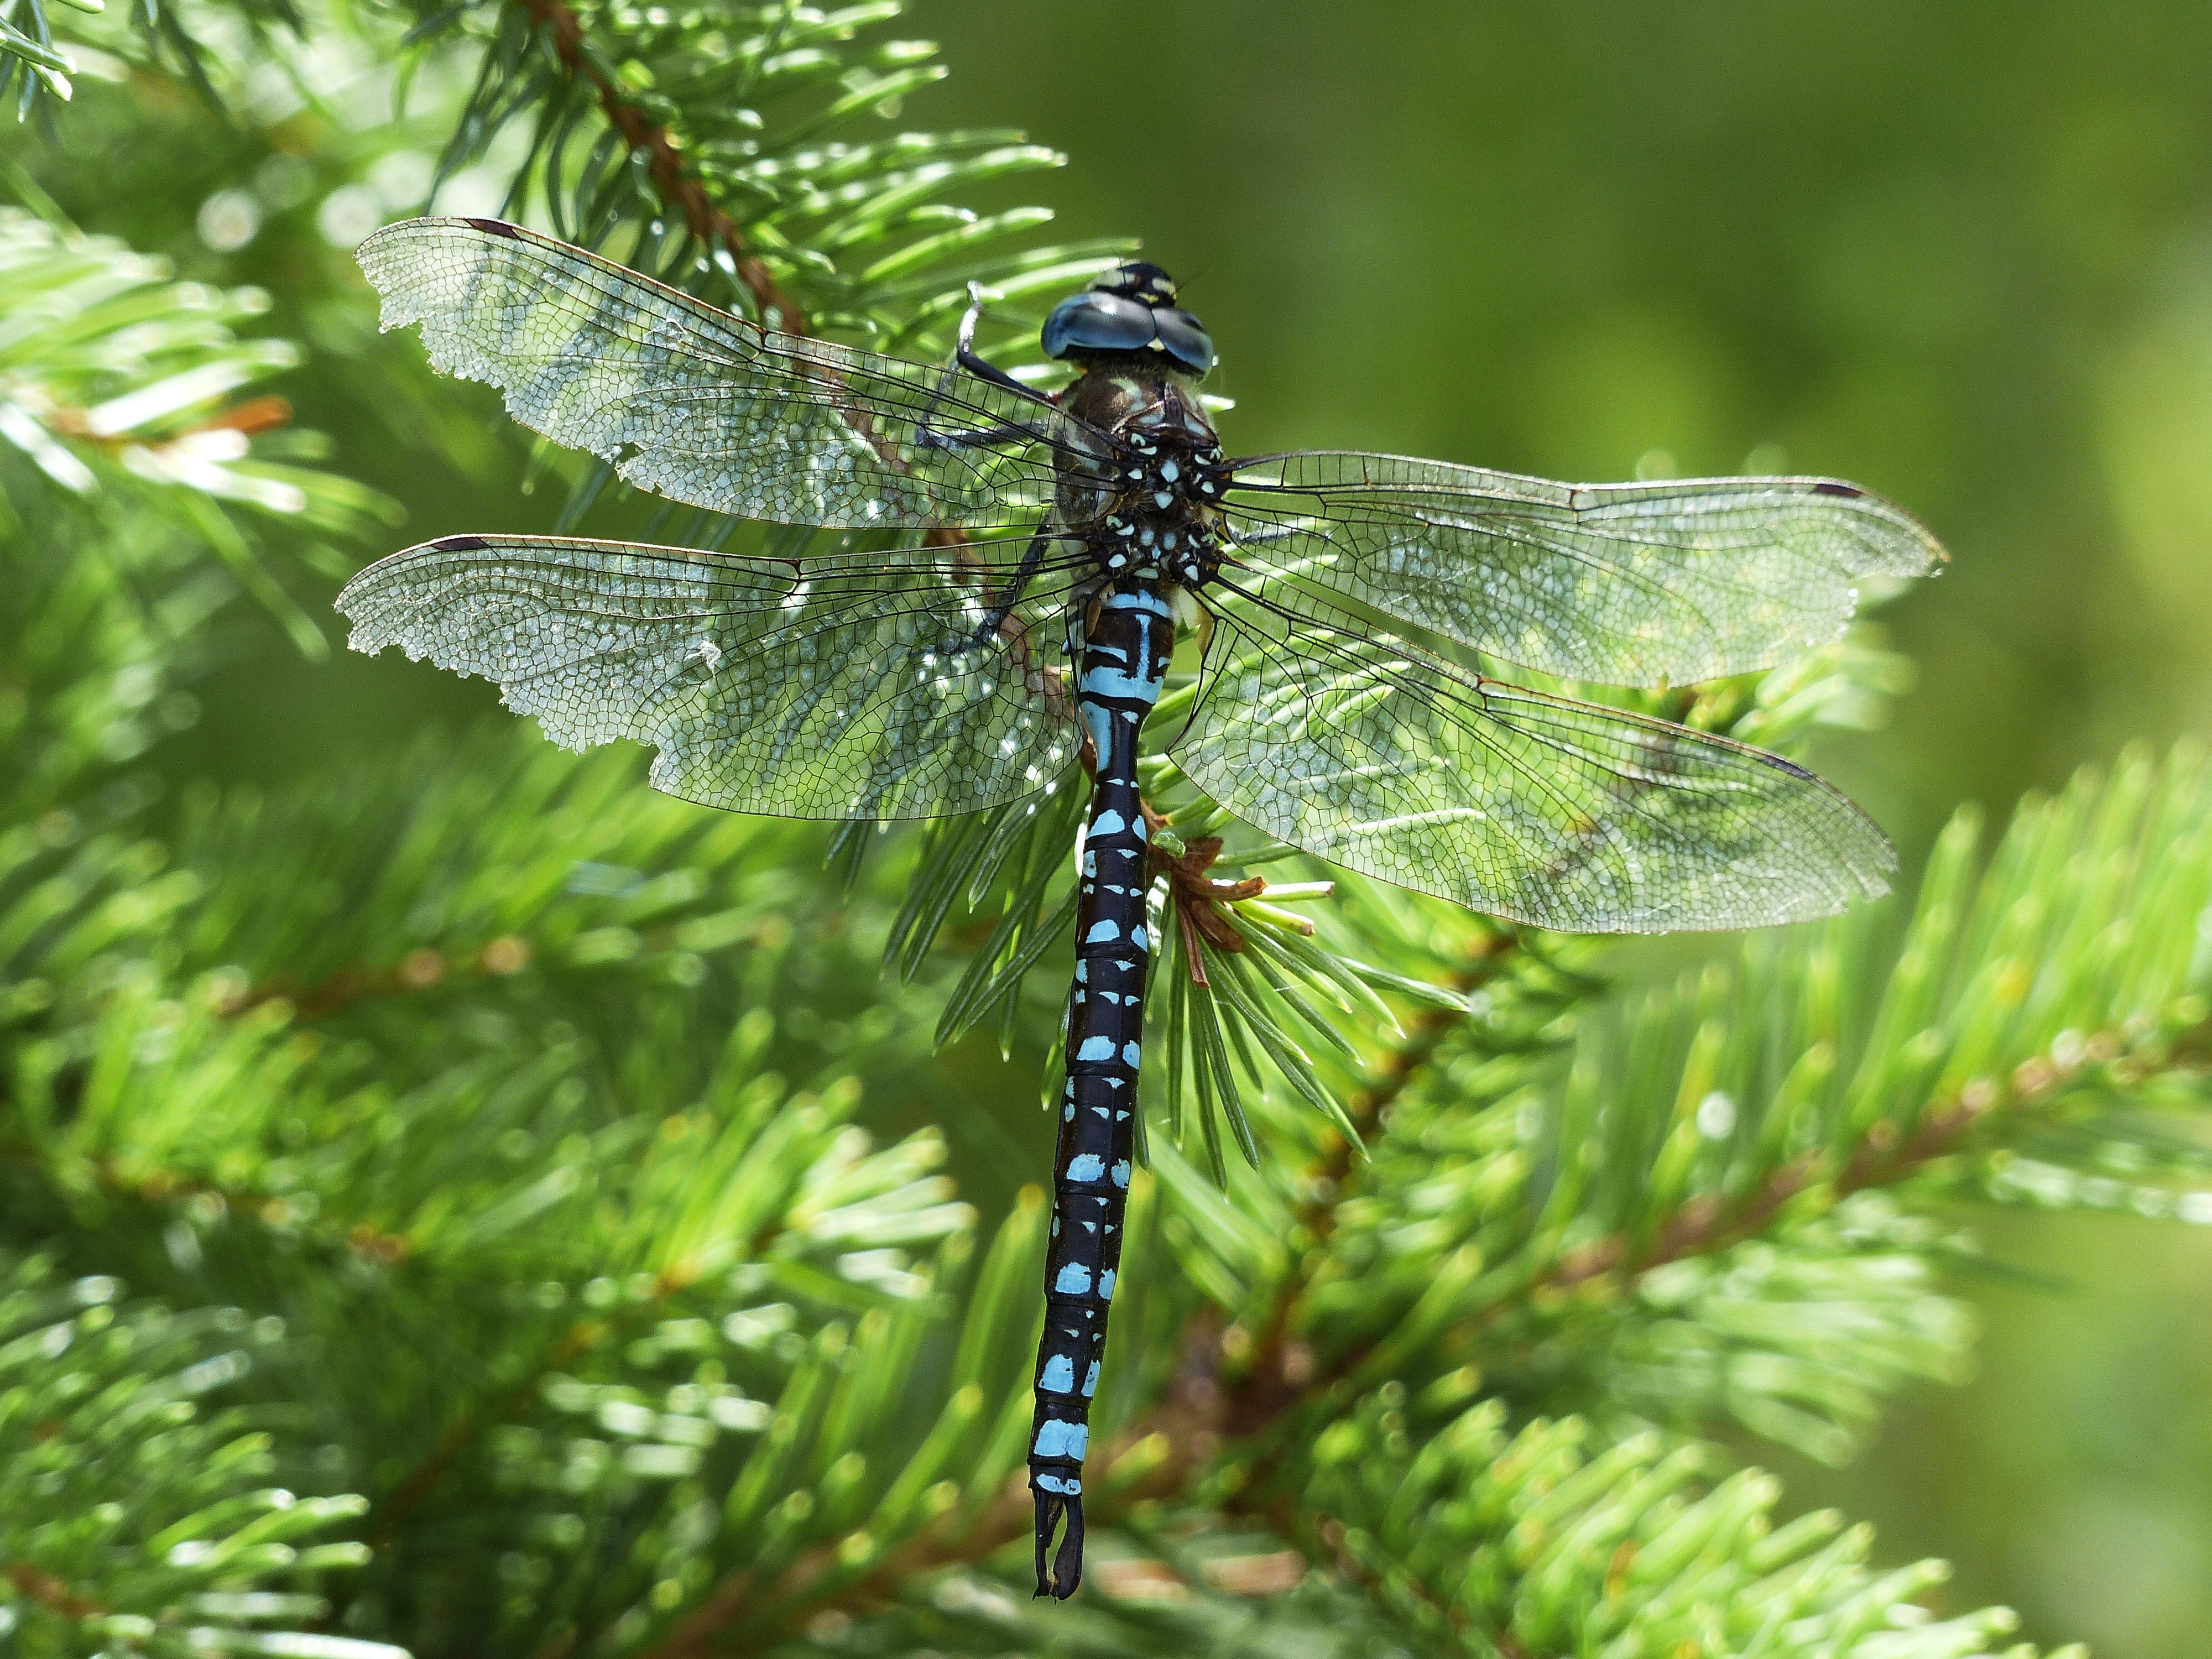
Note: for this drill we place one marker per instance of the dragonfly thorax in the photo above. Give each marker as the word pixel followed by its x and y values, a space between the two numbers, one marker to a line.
pixel 1153 503
pixel 1186 552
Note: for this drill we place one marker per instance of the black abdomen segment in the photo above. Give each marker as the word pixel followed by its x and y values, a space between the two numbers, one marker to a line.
pixel 1125 657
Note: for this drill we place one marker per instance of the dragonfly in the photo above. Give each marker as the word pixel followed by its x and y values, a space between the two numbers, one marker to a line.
pixel 1023 567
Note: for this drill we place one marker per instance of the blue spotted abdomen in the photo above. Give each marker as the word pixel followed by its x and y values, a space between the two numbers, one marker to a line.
pixel 1124 662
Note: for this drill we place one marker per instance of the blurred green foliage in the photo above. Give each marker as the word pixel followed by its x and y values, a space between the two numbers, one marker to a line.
pixel 1962 254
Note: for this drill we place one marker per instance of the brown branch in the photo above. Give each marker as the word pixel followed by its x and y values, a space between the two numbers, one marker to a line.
pixel 418 970
pixel 681 191
pixel 1186 1421
pixel 1884 1155
pixel 1328 1533
pixel 1008 1517
pixel 50 1593
pixel 423 1479
pixel 1277 1370
pixel 1706 1224
pixel 158 1185
pixel 578 1339
pixel 428 966
pixel 1197 897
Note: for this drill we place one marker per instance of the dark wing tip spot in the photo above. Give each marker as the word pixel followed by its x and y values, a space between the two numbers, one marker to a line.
pixel 1830 487
pixel 495 227
pixel 460 544
pixel 1784 764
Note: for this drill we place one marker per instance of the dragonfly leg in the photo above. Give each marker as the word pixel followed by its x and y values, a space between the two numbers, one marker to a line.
pixel 966 356
pixel 970 359
pixel 980 437
pixel 1003 606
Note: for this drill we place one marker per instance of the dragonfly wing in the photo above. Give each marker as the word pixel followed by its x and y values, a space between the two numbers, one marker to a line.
pixel 848 687
pixel 1367 752
pixel 1638 584
pixel 704 407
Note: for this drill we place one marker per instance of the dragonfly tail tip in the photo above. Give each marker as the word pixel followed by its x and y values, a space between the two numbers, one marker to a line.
pixel 1066 1569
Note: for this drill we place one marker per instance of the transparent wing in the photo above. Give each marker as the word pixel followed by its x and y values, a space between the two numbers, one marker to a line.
pixel 872 686
pixel 1619 584
pixel 707 408
pixel 1513 802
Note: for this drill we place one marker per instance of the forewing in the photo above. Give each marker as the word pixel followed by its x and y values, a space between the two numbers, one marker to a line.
pixel 1642 584
pixel 704 407
pixel 846 687
pixel 1538 808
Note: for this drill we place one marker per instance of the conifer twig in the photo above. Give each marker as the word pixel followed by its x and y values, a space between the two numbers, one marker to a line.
pixel 50 1592
pixel 1882 1157
pixel 159 1185
pixel 578 1339
pixel 1268 1381
pixel 680 189
pixel 420 969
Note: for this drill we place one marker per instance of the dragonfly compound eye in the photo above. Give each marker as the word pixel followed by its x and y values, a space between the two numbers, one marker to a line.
pixel 1142 319
pixel 1097 322
pixel 1182 339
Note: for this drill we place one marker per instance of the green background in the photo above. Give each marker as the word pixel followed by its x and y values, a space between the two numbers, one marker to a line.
pixel 1959 254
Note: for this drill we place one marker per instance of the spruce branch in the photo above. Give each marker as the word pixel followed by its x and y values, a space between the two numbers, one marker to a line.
pixel 1253 1453
pixel 1263 1359
pixel 1479 1283
pixel 1992 1034
pixel 679 190
pixel 135 1512
pixel 1487 1540
pixel 532 1099
pixel 117 383
pixel 480 871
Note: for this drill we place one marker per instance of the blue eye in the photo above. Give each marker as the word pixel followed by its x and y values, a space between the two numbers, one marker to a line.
pixel 1097 322
pixel 1185 340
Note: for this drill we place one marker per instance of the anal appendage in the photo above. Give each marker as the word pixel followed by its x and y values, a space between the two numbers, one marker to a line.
pixel 1053 1508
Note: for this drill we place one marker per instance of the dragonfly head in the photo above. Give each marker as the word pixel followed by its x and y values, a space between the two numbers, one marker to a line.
pixel 1130 312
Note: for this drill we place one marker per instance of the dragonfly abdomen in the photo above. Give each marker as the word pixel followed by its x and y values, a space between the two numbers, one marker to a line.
pixel 1125 657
